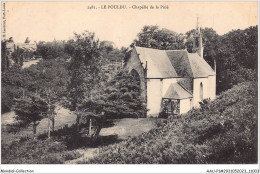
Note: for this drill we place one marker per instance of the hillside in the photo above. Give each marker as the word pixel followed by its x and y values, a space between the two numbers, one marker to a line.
pixel 222 131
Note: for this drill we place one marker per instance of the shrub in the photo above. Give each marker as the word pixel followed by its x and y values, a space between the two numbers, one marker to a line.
pixel 28 151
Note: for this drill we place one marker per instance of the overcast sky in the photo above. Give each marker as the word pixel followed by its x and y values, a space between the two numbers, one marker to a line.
pixel 58 20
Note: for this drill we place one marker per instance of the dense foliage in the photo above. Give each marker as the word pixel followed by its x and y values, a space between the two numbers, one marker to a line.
pixel 48 76
pixel 122 97
pixel 51 50
pixel 30 109
pixel 223 131
pixel 12 81
pixel 5 60
pixel 86 78
pixel 28 151
pixel 237 57
pixel 163 39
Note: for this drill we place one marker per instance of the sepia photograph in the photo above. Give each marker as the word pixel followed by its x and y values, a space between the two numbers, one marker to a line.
pixel 129 82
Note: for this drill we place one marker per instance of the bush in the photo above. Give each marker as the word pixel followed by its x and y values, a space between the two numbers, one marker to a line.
pixel 222 131
pixel 28 151
pixel 122 97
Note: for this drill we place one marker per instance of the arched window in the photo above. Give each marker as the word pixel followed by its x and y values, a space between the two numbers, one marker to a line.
pixel 201 91
pixel 191 104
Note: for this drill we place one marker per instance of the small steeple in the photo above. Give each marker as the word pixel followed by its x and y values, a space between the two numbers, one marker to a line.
pixel 198 28
pixel 197 40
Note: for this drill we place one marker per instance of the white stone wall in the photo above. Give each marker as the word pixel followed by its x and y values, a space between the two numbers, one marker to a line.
pixel 185 105
pixel 196 90
pixel 154 96
pixel 212 87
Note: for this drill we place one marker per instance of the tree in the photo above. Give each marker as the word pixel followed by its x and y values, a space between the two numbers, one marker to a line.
pixel 51 50
pixel 18 55
pixel 122 97
pixel 85 71
pixel 10 39
pixel 11 86
pixel 5 62
pixel 164 39
pixel 30 109
pixel 50 79
pixel 54 82
pixel 236 57
pixel 27 40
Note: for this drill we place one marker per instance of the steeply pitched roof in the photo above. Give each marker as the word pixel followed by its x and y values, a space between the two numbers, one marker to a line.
pixel 158 63
pixel 173 63
pixel 180 62
pixel 199 66
pixel 175 91
pixel 187 83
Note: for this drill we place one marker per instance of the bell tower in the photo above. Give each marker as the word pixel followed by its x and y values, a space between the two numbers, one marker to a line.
pixel 197 40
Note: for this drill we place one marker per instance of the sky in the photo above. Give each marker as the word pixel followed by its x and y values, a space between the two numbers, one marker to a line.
pixel 47 21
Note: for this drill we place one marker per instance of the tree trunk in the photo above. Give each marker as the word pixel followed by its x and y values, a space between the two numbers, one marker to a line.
pixel 77 119
pixel 49 127
pixel 49 114
pixel 23 92
pixel 53 122
pixel 90 124
pixel 34 129
pixel 77 122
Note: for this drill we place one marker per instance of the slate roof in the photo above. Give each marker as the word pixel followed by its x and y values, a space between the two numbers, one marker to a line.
pixel 173 63
pixel 187 83
pixel 175 91
pixel 158 63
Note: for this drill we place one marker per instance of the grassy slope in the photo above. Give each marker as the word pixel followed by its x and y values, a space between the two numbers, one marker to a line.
pixel 28 151
pixel 223 131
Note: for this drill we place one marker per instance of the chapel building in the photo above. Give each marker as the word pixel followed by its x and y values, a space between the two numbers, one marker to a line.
pixel 173 81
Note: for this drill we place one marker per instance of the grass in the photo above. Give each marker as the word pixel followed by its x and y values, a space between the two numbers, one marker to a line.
pixel 64 117
pixel 129 127
pixel 29 151
pixel 18 147
pixel 65 144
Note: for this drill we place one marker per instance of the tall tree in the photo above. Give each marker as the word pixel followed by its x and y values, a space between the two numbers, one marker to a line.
pixel 237 58
pixel 50 79
pixel 85 71
pixel 5 62
pixel 122 96
pixel 51 50
pixel 30 109
pixel 164 39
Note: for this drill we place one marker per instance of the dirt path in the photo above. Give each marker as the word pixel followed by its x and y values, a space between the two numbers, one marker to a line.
pixel 86 155
pixel 29 63
pixel 122 129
